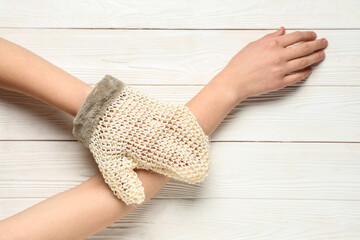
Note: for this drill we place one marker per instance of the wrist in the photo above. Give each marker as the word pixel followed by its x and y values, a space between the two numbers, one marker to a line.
pixel 227 90
pixel 211 105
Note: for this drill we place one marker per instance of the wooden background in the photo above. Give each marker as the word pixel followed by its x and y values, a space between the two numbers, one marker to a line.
pixel 285 165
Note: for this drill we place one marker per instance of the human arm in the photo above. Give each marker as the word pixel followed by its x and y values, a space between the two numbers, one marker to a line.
pixel 93 204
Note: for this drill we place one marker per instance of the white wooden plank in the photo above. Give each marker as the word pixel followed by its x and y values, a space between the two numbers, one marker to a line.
pixel 173 57
pixel 227 219
pixel 238 170
pixel 180 14
pixel 295 113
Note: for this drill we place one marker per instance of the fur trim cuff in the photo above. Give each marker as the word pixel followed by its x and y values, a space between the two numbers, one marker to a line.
pixel 94 106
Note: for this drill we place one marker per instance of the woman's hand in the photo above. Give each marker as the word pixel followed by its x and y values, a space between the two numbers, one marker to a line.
pixel 269 63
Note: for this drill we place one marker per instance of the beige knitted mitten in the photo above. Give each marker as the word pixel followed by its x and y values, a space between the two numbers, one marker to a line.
pixel 126 129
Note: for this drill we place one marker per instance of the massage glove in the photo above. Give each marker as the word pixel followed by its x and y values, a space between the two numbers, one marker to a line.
pixel 125 129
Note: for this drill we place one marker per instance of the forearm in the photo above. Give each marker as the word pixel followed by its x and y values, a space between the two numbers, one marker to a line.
pixel 214 102
pixel 76 213
pixel 92 203
pixel 23 71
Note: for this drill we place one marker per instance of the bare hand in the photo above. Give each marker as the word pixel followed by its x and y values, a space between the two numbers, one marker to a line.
pixel 269 63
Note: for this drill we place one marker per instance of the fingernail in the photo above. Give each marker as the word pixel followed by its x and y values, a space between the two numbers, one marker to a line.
pixel 324 42
pixel 314 34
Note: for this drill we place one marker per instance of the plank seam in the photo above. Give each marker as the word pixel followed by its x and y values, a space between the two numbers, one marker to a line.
pixel 225 141
pixel 184 198
pixel 166 29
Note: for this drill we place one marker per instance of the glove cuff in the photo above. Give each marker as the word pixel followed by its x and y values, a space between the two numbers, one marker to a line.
pixel 94 106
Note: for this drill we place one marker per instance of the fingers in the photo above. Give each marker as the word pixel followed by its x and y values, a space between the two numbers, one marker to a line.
pixel 301 63
pixel 277 33
pixel 298 36
pixel 296 77
pixel 122 179
pixel 305 48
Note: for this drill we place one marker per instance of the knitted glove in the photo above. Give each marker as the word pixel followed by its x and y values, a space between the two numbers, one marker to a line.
pixel 126 129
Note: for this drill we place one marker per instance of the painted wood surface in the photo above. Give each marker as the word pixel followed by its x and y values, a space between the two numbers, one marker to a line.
pixel 285 165
pixel 208 14
pixel 215 219
pixel 173 57
pixel 312 171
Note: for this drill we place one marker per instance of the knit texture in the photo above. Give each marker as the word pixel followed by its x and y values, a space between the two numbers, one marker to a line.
pixel 139 131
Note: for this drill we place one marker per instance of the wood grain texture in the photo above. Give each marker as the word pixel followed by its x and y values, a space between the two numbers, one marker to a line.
pixel 197 14
pixel 181 57
pixel 295 113
pixel 285 165
pixel 228 219
pixel 238 170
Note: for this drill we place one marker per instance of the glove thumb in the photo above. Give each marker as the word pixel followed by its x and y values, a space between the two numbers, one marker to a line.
pixel 119 174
